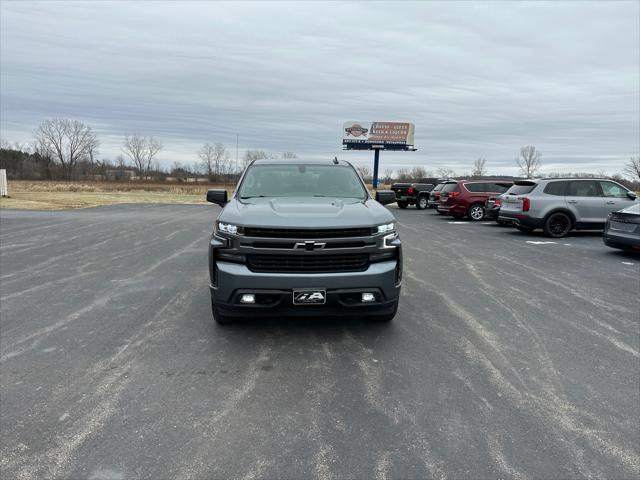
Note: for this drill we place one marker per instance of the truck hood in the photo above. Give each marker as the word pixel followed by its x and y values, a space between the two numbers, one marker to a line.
pixel 304 212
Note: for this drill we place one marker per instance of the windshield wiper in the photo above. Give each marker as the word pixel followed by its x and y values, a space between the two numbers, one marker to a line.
pixel 252 196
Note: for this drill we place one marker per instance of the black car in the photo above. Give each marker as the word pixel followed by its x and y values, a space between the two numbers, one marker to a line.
pixel 304 238
pixel 492 208
pixel 622 229
pixel 434 195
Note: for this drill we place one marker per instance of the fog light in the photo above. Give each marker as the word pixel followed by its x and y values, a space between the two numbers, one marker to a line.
pixel 368 297
pixel 248 298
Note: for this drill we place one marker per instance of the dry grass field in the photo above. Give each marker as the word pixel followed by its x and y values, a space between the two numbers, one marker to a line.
pixel 56 195
pixel 46 195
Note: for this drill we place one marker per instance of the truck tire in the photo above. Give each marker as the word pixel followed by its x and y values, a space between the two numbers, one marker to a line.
pixel 218 317
pixel 422 202
pixel 402 205
pixel 476 212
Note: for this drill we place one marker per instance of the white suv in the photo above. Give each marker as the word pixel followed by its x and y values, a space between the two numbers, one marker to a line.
pixel 559 205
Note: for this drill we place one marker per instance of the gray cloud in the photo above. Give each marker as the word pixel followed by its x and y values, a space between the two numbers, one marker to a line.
pixel 477 79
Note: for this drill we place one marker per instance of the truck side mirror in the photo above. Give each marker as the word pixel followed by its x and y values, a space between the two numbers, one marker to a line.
pixel 632 195
pixel 385 196
pixel 219 197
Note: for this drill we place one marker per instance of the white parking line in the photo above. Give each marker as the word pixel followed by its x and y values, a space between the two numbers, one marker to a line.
pixel 540 243
pixel 457 223
pixel 628 263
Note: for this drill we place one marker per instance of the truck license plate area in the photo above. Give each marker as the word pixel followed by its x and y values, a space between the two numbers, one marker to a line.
pixel 309 297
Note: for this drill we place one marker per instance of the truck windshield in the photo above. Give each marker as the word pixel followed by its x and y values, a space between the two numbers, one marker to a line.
pixel 299 180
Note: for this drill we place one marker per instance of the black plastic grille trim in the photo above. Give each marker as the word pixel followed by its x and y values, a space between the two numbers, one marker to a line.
pixel 308 263
pixel 307 233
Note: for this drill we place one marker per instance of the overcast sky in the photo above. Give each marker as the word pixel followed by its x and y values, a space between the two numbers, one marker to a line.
pixel 476 79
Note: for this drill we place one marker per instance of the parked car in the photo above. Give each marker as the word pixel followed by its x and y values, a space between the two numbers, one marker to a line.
pixel 492 208
pixel 467 198
pixel 622 229
pixel 434 195
pixel 300 238
pixel 558 206
pixel 415 193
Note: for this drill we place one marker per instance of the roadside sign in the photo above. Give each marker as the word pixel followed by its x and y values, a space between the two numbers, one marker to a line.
pixel 378 136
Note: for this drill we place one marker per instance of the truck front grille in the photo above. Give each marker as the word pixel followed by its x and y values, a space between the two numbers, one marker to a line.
pixel 308 263
pixel 307 233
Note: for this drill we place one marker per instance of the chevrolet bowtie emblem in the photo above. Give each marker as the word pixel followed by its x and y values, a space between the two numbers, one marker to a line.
pixel 309 245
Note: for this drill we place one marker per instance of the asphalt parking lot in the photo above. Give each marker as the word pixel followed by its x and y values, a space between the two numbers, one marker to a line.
pixel 510 357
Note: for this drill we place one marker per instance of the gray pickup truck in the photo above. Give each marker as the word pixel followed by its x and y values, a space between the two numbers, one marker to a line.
pixel 303 239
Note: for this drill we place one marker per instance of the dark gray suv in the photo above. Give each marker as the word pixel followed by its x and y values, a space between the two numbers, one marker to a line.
pixel 303 239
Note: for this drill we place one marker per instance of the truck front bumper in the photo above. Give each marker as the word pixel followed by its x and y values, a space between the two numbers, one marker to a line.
pixel 274 291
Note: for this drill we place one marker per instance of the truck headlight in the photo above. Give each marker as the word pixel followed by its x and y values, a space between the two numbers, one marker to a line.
pixel 228 228
pixel 386 228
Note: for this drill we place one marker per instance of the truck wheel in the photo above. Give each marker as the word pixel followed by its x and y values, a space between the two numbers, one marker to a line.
pixel 558 225
pixel 385 318
pixel 220 319
pixel 402 205
pixel 476 212
pixel 421 204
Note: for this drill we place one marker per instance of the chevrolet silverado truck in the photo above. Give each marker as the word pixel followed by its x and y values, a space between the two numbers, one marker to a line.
pixel 303 239
pixel 415 193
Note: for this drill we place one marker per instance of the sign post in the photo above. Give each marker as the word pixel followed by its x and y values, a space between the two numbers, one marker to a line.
pixel 378 136
pixel 376 160
pixel 4 189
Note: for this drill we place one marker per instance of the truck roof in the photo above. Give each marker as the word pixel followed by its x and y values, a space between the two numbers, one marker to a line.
pixel 298 161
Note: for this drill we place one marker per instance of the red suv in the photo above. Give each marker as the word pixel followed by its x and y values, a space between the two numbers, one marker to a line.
pixel 466 198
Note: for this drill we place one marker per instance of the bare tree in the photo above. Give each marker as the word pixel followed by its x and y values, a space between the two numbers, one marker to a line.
pixel 445 173
pixel 364 172
pixel 529 161
pixel 388 175
pixel 141 150
pixel 418 172
pixel 251 155
pixel 43 150
pixel 92 153
pixel 135 147
pixel 207 155
pixel 632 168
pixel 479 167
pixel 215 159
pixel 153 148
pixel 403 175
pixel 68 140
pixel 289 155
